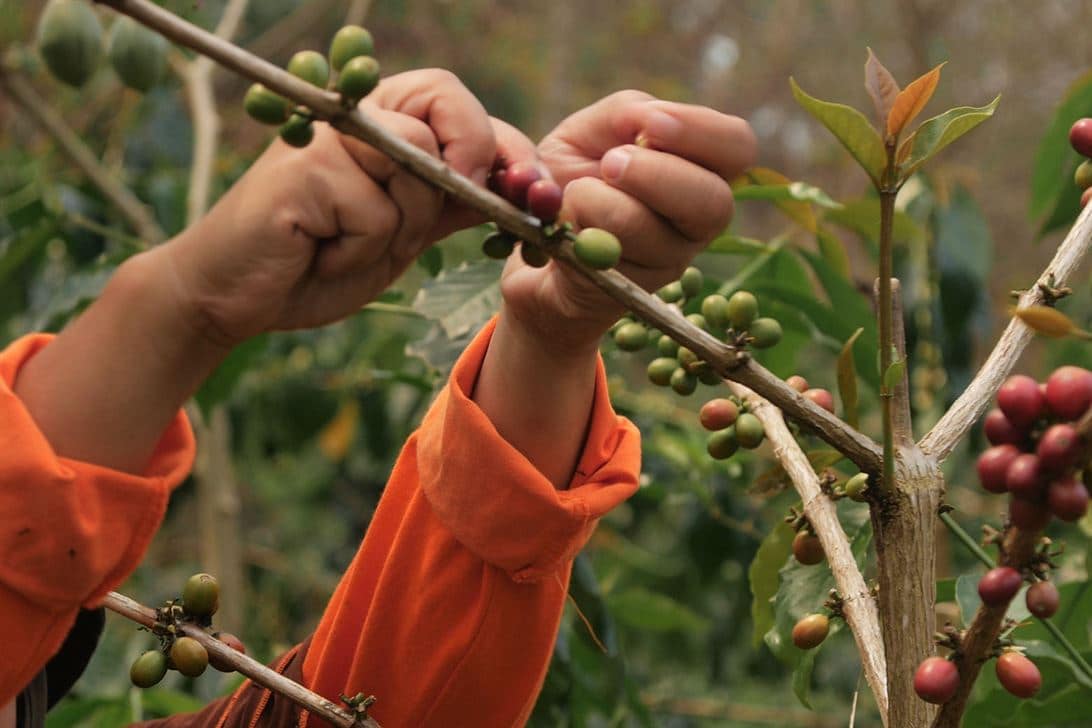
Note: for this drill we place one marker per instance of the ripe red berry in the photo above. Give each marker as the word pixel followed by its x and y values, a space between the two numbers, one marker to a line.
pixel 821 397
pixel 716 414
pixel 544 199
pixel 810 631
pixel 1068 499
pixel 1021 400
pixel 993 466
pixel 999 431
pixel 1069 392
pixel 936 680
pixel 1028 514
pixel 517 180
pixel 798 383
pixel 1042 599
pixel 1059 448
pixel 231 641
pixel 1024 476
pixel 1018 675
pixel 1080 136
pixel 999 585
pixel 807 549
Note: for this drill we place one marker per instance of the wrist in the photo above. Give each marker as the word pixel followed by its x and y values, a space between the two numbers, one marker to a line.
pixel 560 344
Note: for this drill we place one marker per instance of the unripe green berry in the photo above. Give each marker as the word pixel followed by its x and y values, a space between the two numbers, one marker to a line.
pixel 138 54
pixel 311 66
pixel 533 255
pixel 498 245
pixel 707 375
pixel 265 106
pixel 1083 175
pixel 70 40
pixel 148 669
pixel 686 358
pixel 722 444
pixel 671 293
pixel 631 337
pixel 742 309
pixel 620 323
pixel 765 332
pixel 683 382
pixel 715 310
pixel 856 487
pixel 691 281
pixel 358 78
pixel 750 431
pixel 348 43
pixel 667 346
pixel 661 369
pixel 597 248
pixel 698 320
pixel 297 131
pixel 201 595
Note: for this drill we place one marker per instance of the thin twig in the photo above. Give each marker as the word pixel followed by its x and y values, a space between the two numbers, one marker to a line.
pixel 358 10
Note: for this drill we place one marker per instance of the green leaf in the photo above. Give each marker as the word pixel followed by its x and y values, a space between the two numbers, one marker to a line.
pixel 862 216
pixel 850 127
pixel 798 191
pixel 1067 205
pixel 1062 701
pixel 729 244
pixel 432 260
pixel 847 379
pixel 797 211
pixel 940 131
pixel 946 590
pixel 461 299
pixel 1053 173
pixel 763 576
pixel 834 253
pixel 220 384
pixel 652 611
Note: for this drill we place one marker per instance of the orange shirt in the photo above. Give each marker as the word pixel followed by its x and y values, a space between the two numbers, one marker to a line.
pixel 449 611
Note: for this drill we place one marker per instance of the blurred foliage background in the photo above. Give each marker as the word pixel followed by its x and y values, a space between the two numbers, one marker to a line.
pixel 301 429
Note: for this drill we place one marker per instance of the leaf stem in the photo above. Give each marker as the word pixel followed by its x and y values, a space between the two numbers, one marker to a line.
pixel 887 338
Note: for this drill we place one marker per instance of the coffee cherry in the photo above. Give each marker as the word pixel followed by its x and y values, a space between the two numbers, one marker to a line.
pixel 660 370
pixel 534 255
pixel 715 310
pixel 1059 448
pixel 1069 392
pixel 138 55
pixel 518 179
pixel 691 281
pixel 70 40
pixel 807 549
pixel 297 131
pixel 349 43
pixel 1042 599
pixel 189 657
pixel 1083 176
pixel 671 293
pixel 1024 476
pixel 716 414
pixel 1080 136
pixel 148 669
pixel 631 337
pixel 749 431
pixel 936 680
pixel 993 465
pixel 667 346
pixel 722 444
pixel 687 359
pixel 201 595
pixel 821 397
pixel 1000 431
pixel 1021 400
pixel 1028 514
pixel 499 245
pixel 765 332
pixel 856 487
pixel 265 106
pixel 810 631
pixel 1018 675
pixel 597 248
pixel 683 382
pixel 742 309
pixel 999 585
pixel 358 78
pixel 1068 499
pixel 544 199
pixel 707 375
pixel 698 320
pixel 231 641
pixel 798 383
pixel 311 66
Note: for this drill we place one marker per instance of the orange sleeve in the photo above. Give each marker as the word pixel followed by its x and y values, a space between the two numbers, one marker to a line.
pixel 449 611
pixel 69 531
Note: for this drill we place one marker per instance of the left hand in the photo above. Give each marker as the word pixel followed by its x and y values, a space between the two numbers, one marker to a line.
pixel 665 201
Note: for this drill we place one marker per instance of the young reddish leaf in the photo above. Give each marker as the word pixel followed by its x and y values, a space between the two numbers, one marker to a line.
pixel 940 131
pixel 850 127
pixel 911 100
pixel 881 86
pixel 847 379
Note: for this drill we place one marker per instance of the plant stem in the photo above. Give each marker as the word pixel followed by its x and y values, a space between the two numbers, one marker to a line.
pixel 887 341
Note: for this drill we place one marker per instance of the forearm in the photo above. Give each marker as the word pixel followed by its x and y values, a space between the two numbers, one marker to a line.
pixel 106 388
pixel 539 399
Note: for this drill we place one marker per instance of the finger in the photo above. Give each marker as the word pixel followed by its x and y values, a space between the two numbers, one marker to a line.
pixel 375 163
pixel 456 117
pixel 696 201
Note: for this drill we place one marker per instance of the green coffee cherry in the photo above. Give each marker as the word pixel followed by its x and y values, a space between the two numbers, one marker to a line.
pixel 749 431
pixel 654 336
pixel 148 669
pixel 683 382
pixel 358 78
pixel 698 320
pixel 631 337
pixel 707 375
pixel 671 293
pixel 201 595
pixel 1083 175
pixel 597 248
pixel 661 369
pixel 691 282
pixel 311 66
pixel 297 131
pixel 715 310
pixel 722 444
pixel 138 55
pixel 348 43
pixel 498 245
pixel 189 656
pixel 686 358
pixel 667 346
pixel 620 323
pixel 265 106
pixel 70 40
pixel 856 486
pixel 765 332
pixel 534 255
pixel 742 309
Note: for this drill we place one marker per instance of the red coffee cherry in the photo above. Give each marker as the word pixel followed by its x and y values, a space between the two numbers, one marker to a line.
pixel 821 397
pixel 810 631
pixel 517 180
pixel 798 383
pixel 1028 514
pixel 999 431
pixel 1068 499
pixel 1021 400
pixel 1080 136
pixel 1018 675
pixel 1059 448
pixel 999 585
pixel 544 200
pixel 993 466
pixel 1024 476
pixel 936 680
pixel 807 549
pixel 1069 392
pixel 231 641
pixel 1042 599
pixel 716 414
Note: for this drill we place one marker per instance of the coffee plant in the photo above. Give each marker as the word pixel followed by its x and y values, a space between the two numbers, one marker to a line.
pixel 839 525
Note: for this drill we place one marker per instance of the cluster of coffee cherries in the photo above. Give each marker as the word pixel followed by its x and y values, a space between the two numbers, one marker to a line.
pixel 1080 137
pixel 351 71
pixel 200 600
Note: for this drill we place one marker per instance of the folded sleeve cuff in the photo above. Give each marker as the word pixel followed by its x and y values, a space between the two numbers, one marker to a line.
pixel 495 501
pixel 72 530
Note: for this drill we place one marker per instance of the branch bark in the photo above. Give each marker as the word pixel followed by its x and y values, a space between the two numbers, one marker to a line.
pixel 970 405
pixel 244 665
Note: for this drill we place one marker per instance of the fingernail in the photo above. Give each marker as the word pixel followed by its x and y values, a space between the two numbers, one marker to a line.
pixel 480 175
pixel 614 163
pixel 661 126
